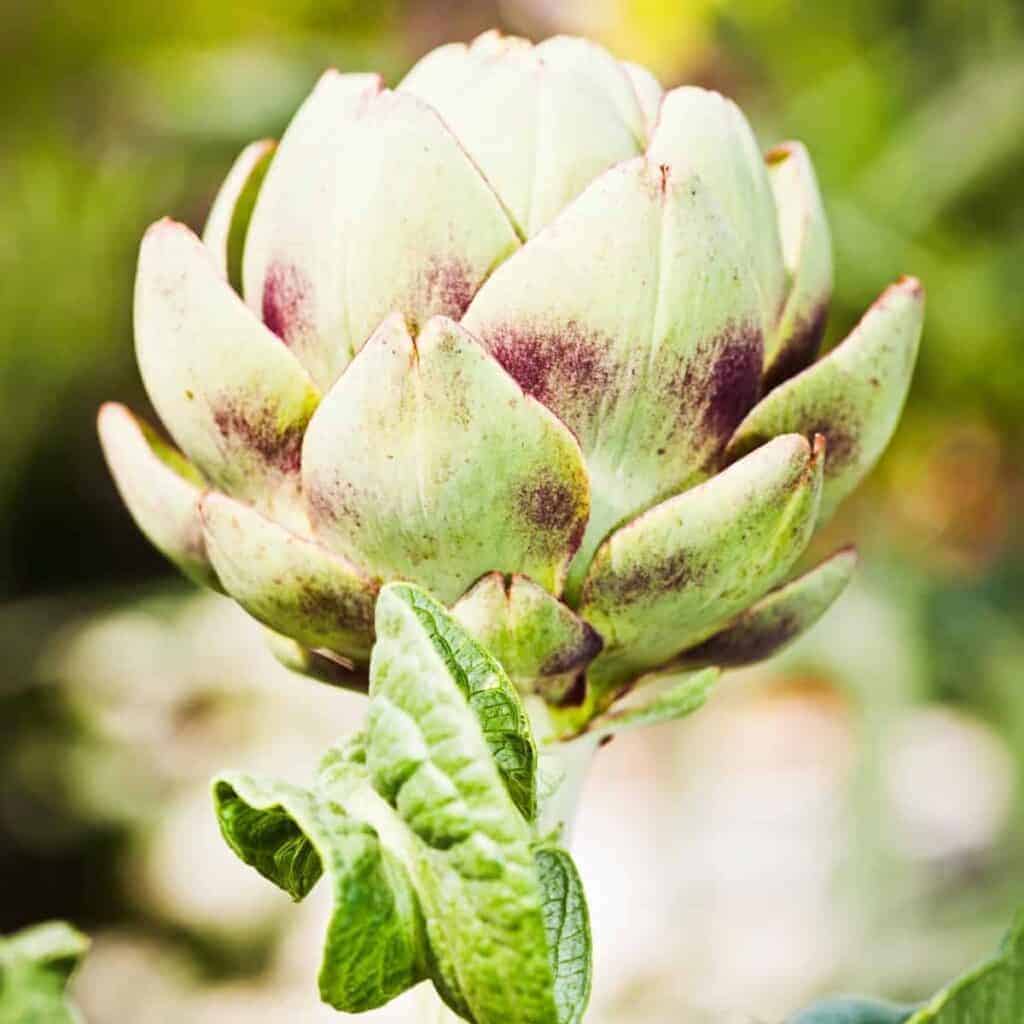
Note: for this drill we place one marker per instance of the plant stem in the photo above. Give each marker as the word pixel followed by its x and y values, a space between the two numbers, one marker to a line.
pixel 563 770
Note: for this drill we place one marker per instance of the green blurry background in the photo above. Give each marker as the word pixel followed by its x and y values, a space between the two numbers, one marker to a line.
pixel 851 815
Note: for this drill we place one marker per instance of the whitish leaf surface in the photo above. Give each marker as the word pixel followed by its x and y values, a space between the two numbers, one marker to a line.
pixel 290 583
pixel 464 473
pixel 566 115
pixel 228 223
pixel 370 206
pixel 706 133
pixel 853 396
pixel 635 318
pixel 160 488
pixel 232 396
pixel 678 573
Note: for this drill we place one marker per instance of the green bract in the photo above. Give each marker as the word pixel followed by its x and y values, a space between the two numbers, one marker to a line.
pixel 553 364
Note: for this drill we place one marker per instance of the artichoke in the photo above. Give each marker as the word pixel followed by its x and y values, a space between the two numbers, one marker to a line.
pixel 526 332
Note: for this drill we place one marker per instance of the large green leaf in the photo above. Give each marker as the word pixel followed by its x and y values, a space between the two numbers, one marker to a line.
pixel 446 737
pixel 424 824
pixel 35 965
pixel 375 943
pixel 485 687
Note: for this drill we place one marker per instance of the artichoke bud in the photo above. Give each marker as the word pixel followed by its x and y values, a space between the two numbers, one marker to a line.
pixel 530 333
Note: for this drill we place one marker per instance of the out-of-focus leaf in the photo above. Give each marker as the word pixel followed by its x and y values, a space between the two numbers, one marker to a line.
pixel 35 965
pixel 852 1010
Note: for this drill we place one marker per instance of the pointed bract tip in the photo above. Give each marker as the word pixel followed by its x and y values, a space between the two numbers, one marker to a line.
pixel 909 284
pixel 781 152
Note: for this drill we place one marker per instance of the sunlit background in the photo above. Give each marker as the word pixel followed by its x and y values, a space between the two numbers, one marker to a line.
pixel 850 816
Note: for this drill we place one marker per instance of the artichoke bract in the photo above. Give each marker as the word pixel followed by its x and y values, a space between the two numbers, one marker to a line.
pixel 531 334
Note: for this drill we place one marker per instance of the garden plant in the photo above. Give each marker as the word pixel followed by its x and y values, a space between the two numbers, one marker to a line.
pixel 498 397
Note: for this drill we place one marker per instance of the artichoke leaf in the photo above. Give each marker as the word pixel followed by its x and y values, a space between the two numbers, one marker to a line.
pixel 465 474
pixel 160 488
pixel 370 206
pixel 231 395
pixel 678 694
pixel 807 253
pixel 540 642
pixel 228 222
pixel 635 318
pixel 563 121
pixel 779 618
pixel 706 133
pixel 290 583
pixel 853 396
pixel 675 575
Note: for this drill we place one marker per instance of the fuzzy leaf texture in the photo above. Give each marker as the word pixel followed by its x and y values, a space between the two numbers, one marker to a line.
pixel 425 829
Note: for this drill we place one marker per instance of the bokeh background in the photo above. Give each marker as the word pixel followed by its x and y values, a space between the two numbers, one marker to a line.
pixel 850 816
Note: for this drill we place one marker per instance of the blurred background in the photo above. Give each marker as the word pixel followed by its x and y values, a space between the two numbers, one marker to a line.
pixel 850 816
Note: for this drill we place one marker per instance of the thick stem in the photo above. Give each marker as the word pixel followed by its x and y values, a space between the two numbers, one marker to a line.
pixel 563 771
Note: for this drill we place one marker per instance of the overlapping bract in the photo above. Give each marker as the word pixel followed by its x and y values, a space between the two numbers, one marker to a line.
pixel 529 333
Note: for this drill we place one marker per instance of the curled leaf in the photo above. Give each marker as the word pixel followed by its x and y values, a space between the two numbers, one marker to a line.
pixel 374 948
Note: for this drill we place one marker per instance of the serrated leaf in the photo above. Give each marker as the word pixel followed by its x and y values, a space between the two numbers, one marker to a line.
pixel 35 965
pixel 374 949
pixel 567 923
pixel 681 695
